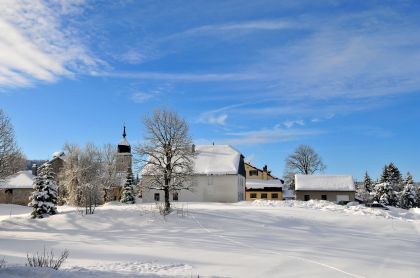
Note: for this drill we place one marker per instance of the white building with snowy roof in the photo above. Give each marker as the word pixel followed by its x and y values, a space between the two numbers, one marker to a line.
pixel 322 187
pixel 219 176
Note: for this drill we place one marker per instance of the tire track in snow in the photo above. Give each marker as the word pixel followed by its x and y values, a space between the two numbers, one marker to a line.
pixel 277 253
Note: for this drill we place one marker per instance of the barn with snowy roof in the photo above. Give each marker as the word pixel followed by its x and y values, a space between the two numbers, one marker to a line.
pixel 17 188
pixel 321 187
pixel 219 176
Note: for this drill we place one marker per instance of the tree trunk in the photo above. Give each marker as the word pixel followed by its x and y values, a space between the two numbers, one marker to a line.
pixel 167 203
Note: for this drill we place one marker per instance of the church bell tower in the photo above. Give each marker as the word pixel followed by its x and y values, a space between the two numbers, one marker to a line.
pixel 124 156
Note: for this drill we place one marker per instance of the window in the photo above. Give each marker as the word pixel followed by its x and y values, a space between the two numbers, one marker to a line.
pixel 274 195
pixel 253 173
pixel 175 196
pixel 263 195
pixel 157 197
pixel 253 195
pixel 323 197
pixel 307 198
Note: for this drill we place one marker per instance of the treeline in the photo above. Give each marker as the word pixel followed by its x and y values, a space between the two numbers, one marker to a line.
pixel 86 176
pixel 391 189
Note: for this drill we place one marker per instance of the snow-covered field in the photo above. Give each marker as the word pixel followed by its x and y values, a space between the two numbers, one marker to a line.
pixel 260 239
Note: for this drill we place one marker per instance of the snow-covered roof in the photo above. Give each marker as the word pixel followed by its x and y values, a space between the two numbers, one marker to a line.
pixel 213 160
pixel 324 183
pixel 216 160
pixel 260 184
pixel 22 179
pixel 57 154
pixel 123 142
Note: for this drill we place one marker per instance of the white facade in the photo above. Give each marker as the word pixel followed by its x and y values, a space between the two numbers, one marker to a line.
pixel 218 178
pixel 220 188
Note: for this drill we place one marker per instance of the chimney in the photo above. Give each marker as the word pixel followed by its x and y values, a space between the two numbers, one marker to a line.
pixel 193 148
pixel 265 168
pixel 34 169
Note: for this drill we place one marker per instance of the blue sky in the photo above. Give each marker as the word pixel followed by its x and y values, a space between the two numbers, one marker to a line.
pixel 263 76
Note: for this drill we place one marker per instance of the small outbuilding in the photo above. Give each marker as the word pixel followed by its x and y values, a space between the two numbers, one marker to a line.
pixel 330 188
pixel 264 189
pixel 16 189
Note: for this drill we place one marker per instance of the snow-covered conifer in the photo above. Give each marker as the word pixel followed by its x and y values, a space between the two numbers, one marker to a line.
pixel 409 179
pixel 392 175
pixel 418 196
pixel 408 198
pixel 127 195
pixel 367 182
pixel 44 197
pixel 383 193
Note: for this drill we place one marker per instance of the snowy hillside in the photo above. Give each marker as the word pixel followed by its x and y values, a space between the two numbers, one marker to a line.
pixel 260 239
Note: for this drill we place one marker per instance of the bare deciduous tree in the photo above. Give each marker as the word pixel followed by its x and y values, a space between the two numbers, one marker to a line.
pixel 82 176
pixel 166 157
pixel 109 168
pixel 11 158
pixel 304 160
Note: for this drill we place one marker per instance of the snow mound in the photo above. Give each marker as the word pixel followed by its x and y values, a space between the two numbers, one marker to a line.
pixel 392 213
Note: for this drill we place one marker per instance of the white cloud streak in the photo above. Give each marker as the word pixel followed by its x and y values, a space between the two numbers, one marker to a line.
pixel 140 97
pixel 211 118
pixel 35 46
pixel 243 26
pixel 190 77
pixel 269 135
pixel 290 123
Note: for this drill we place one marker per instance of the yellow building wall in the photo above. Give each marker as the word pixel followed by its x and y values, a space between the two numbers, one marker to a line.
pixel 261 174
pixel 269 196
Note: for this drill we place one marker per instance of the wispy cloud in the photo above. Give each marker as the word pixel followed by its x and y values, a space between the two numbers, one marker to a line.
pixel 239 26
pixel 290 123
pixel 269 135
pixel 140 97
pixel 191 77
pixel 132 56
pixel 210 118
pixel 35 45
pixel 351 56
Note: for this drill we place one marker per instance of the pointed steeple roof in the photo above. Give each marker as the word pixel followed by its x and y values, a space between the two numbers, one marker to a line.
pixel 124 146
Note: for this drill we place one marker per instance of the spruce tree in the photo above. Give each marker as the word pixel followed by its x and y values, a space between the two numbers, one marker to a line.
pixel 391 174
pixel 408 197
pixel 51 188
pixel 44 198
pixel 418 196
pixel 127 195
pixel 367 182
pixel 409 179
pixel 384 193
